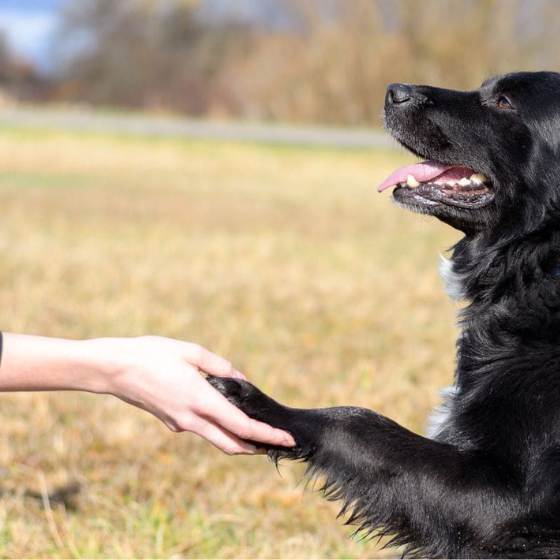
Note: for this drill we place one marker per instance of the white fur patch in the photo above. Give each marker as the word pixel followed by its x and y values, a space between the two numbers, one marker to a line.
pixel 439 416
pixel 452 281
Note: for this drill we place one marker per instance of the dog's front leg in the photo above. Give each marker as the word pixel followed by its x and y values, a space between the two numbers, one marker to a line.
pixel 426 494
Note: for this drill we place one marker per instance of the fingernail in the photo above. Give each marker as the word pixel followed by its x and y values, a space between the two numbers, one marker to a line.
pixel 289 441
pixel 238 375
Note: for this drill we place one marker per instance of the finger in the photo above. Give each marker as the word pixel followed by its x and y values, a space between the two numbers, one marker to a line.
pixel 224 414
pixel 238 375
pixel 224 441
pixel 208 362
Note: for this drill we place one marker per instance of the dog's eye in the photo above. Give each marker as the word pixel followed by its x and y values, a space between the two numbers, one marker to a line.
pixel 503 102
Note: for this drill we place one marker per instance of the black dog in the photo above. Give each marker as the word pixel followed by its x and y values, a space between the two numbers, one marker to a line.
pixel 488 482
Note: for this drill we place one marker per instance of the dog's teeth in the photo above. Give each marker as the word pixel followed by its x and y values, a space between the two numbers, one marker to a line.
pixel 464 182
pixel 412 182
pixel 478 179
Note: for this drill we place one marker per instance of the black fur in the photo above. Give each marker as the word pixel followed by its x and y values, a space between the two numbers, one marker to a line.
pixel 488 485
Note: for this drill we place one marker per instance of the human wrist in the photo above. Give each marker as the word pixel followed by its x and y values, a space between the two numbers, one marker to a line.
pixel 102 363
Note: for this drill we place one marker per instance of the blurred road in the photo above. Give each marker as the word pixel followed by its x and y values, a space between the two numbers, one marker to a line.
pixel 163 126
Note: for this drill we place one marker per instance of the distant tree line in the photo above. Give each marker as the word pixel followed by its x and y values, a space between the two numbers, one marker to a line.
pixel 323 61
pixel 19 78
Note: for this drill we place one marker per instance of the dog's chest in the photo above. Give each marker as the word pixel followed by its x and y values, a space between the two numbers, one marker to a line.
pixel 452 281
pixel 440 416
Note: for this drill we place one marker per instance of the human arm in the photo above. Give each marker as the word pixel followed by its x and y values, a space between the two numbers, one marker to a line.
pixel 160 375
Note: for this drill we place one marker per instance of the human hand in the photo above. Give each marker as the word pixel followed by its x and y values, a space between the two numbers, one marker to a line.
pixel 165 377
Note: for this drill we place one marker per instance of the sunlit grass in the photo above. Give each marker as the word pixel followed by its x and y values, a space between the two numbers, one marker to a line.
pixel 284 260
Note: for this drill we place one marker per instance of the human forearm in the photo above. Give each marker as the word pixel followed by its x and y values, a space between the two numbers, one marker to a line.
pixel 36 363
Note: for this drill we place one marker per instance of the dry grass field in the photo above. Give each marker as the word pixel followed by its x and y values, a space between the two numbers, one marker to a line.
pixel 285 260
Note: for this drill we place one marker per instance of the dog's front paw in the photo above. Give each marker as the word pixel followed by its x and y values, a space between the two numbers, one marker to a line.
pixel 257 405
pixel 234 390
pixel 247 397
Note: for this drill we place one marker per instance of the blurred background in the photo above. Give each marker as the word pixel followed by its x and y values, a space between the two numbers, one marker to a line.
pixel 325 61
pixel 206 170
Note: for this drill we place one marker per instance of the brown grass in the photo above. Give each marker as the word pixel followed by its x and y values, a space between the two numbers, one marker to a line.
pixel 284 260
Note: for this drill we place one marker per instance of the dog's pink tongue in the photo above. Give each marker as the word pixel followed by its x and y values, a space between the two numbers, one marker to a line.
pixel 422 172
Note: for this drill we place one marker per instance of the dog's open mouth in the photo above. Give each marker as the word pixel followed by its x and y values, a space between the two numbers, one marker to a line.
pixel 432 182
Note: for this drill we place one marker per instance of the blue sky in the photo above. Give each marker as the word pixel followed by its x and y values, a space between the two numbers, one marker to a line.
pixel 28 25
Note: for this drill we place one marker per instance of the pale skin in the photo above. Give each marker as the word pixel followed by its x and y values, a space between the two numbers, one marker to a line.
pixel 162 376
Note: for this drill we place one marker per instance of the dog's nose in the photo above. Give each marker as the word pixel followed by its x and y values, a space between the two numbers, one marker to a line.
pixel 397 94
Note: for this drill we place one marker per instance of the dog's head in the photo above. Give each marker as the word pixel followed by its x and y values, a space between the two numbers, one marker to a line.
pixel 493 153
